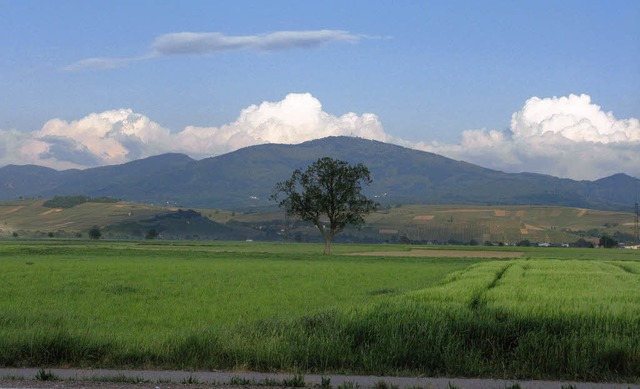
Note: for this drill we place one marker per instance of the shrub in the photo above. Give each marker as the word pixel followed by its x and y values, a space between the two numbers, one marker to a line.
pixel 583 243
pixel 151 234
pixel 46 375
pixel 94 233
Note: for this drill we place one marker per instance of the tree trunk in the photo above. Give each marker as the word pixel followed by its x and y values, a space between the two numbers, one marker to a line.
pixel 327 245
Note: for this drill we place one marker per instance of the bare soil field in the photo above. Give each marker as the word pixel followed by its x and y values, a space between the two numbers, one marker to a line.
pixel 466 210
pixel 54 210
pixel 11 210
pixel 423 218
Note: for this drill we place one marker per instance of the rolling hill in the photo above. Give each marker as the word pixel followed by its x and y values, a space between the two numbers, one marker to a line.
pixel 396 224
pixel 116 220
pixel 244 179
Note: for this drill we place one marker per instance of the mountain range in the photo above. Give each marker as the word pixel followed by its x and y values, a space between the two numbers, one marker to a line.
pixel 245 179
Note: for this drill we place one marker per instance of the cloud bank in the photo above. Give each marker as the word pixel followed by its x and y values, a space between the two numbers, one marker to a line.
pixel 206 43
pixel 119 136
pixel 563 136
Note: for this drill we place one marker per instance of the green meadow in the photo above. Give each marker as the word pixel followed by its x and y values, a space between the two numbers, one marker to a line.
pixel 548 313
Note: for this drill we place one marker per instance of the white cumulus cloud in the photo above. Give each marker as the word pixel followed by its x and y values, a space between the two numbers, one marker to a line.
pixel 563 136
pixel 296 118
pixel 575 118
pixel 118 136
pixel 106 138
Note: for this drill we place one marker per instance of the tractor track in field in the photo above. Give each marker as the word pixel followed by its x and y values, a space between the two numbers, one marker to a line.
pixel 24 378
pixel 444 254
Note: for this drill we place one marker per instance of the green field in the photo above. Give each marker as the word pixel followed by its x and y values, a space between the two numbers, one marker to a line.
pixel 550 313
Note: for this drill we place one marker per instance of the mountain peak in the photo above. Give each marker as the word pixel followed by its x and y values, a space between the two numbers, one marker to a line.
pixel 618 177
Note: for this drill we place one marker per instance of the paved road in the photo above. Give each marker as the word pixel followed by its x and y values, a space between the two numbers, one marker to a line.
pixel 78 378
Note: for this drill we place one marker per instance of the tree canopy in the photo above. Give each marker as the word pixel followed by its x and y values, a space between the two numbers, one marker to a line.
pixel 94 233
pixel 607 242
pixel 327 194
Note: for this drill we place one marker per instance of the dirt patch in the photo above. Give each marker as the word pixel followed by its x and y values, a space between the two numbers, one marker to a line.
pixel 581 213
pixel 63 224
pixel 520 214
pixel 496 212
pixel 423 218
pixel 533 228
pixel 11 210
pixel 54 210
pixel 466 210
pixel 444 253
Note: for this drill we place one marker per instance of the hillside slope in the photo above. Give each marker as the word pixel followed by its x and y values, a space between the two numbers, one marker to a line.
pixel 246 177
pixel 116 220
pixel 415 223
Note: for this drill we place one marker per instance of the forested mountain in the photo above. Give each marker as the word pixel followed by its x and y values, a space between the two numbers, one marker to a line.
pixel 246 177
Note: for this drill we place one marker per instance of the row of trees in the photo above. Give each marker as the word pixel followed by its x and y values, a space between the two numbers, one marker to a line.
pixel 95 233
pixel 72 201
pixel 605 241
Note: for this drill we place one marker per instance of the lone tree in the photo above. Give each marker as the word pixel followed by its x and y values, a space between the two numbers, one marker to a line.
pixel 328 189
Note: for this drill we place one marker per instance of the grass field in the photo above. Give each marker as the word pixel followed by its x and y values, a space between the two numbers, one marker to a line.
pixel 550 313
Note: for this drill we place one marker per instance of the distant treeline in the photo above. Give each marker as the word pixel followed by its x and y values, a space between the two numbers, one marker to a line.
pixel 72 201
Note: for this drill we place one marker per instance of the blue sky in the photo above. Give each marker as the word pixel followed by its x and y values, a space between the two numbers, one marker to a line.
pixel 442 76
